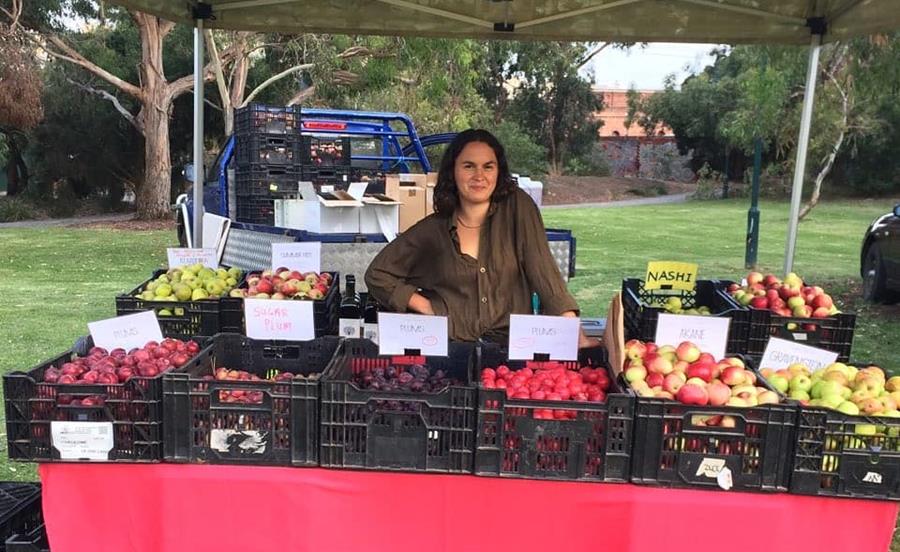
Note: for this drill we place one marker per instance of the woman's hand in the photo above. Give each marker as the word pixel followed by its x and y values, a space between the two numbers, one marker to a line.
pixel 420 304
pixel 584 342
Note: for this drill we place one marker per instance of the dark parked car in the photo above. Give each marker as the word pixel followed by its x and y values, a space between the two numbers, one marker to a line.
pixel 880 259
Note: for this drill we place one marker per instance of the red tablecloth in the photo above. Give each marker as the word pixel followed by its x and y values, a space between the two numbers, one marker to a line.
pixel 165 507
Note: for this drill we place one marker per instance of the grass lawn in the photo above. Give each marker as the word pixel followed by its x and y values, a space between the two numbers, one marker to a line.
pixel 54 281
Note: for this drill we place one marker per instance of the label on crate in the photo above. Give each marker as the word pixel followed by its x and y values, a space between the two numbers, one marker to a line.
pixel 299 256
pixel 671 275
pixel 237 442
pixel 274 319
pixel 186 256
pixel 128 331
pixel 82 440
pixel 709 333
pixel 398 333
pixel 710 467
pixel 781 353
pixel 350 327
pixel 555 336
pixel 370 332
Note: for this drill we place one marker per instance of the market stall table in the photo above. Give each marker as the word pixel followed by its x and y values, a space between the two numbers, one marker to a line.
pixel 198 508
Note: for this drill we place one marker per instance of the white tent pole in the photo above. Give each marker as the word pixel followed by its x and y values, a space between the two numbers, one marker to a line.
pixel 199 168
pixel 802 146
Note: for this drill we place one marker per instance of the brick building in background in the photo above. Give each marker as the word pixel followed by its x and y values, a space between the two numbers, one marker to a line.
pixel 629 151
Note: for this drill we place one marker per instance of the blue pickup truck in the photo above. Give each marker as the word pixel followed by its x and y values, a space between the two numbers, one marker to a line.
pixel 381 143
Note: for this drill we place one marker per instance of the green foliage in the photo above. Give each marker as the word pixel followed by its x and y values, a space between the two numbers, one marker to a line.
pixel 524 155
pixel 13 209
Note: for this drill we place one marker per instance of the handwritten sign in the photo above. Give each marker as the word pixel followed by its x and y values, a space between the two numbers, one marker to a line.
pixel 186 256
pixel 300 256
pixel 127 332
pixel 82 440
pixel 781 353
pixel 398 333
pixel 556 336
pixel 671 275
pixel 709 333
pixel 273 319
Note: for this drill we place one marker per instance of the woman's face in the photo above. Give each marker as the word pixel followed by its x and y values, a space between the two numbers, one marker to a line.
pixel 476 172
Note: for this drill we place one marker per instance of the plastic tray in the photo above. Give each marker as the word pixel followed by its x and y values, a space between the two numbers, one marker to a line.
pixel 266 119
pixel 20 509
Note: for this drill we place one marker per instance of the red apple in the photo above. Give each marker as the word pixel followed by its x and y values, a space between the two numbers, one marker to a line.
pixel 673 382
pixel 733 375
pixel 655 379
pixel 692 394
pixel 660 365
pixel 718 393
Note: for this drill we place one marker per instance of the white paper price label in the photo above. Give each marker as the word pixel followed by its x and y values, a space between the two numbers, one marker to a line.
pixel 127 332
pixel 186 256
pixel 781 353
pixel 273 319
pixel 709 333
pixel 556 336
pixel 299 256
pixel 398 333
pixel 82 440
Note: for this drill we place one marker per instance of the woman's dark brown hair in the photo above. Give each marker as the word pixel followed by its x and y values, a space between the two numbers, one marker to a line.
pixel 446 196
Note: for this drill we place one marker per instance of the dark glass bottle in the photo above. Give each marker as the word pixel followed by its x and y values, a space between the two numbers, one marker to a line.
pixel 350 318
pixel 370 319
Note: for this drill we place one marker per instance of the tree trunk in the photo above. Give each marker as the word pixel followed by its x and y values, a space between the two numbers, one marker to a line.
pixel 16 171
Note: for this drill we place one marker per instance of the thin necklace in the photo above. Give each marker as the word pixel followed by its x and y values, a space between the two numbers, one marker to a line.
pixel 459 220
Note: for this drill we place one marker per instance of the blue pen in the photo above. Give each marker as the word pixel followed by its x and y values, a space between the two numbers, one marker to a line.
pixel 535 303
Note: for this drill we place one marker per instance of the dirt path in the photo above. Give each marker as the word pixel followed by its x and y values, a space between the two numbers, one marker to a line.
pixel 570 190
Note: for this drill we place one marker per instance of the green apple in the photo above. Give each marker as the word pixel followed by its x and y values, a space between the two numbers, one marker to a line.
pixel 800 382
pixel 780 383
pixel 848 408
pixel 865 429
pixel 799 395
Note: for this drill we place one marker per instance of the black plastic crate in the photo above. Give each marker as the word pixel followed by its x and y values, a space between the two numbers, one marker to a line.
pixel 266 182
pixel 834 333
pixel 322 153
pixel 133 407
pixel 263 150
pixel 255 210
pixel 642 310
pixel 381 430
pixel 266 119
pixel 30 541
pixel 328 176
pixel 674 446
pixel 326 310
pixel 279 423
pixel 186 319
pixel 20 509
pixel 511 442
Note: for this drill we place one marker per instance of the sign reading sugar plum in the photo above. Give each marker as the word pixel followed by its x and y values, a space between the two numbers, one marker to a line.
pixel 288 320
pixel 553 336
pixel 126 332
pixel 399 333
pixel 671 275
pixel 709 333
pixel 187 256
pixel 299 256
pixel 781 353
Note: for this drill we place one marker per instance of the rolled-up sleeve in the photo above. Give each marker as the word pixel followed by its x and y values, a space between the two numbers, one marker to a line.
pixel 388 275
pixel 539 265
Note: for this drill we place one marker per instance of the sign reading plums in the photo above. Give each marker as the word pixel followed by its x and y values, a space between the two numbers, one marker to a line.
pixel 709 333
pixel 299 256
pixel 671 275
pixel 127 332
pixel 82 440
pixel 187 256
pixel 781 353
pixel 289 320
pixel 398 333
pixel 554 336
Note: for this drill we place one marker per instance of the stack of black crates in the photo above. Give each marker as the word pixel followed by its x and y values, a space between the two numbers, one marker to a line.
pixel 271 157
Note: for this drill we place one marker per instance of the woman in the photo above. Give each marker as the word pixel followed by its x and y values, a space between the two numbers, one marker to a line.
pixel 480 256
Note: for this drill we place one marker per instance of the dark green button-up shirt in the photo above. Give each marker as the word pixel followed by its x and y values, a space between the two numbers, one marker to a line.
pixel 477 295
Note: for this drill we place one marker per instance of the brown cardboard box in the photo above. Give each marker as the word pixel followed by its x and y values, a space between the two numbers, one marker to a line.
pixel 410 190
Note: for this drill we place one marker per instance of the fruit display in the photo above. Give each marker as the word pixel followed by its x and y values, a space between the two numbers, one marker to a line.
pixel 286 284
pixel 690 376
pixel 789 297
pixel 191 283
pixel 848 389
pixel 102 367
pixel 416 378
pixel 675 305
pixel 242 396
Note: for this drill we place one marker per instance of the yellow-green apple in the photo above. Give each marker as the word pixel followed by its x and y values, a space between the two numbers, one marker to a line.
pixel 849 408
pixel 736 401
pixel 800 382
pixel 635 349
pixel 754 278
pixel 728 421
pixel 779 382
pixel 667 351
pixel 733 376
pixel 673 382
pixel 871 406
pixel 680 366
pixel 696 381
pixel 687 352
pixel 893 384
pixel 799 395
pixel 660 365
pixel 635 373
pixel 767 397
pixel 743 391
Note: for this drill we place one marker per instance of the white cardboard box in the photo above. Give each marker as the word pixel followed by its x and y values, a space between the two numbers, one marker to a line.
pixel 380 214
pixel 322 213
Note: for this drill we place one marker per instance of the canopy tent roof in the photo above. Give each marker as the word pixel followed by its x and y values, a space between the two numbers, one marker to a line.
pixel 712 21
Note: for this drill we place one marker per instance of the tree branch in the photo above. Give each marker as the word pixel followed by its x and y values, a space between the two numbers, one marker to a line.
pixel 591 55
pixel 112 99
pixel 179 86
pixel 165 27
pixel 274 79
pixel 74 57
pixel 302 95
